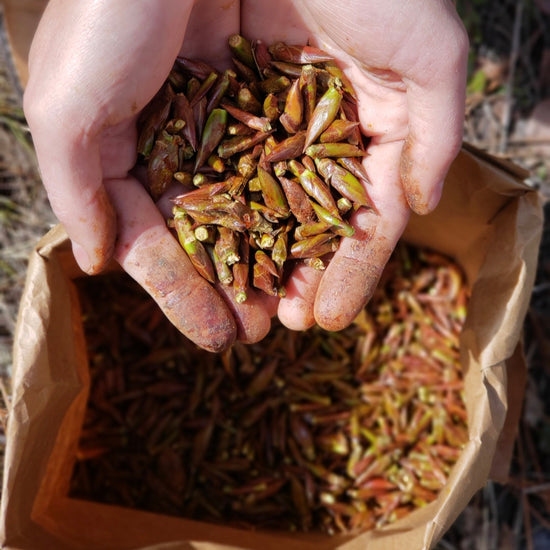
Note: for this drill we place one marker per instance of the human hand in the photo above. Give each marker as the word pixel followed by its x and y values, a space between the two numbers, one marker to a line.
pixel 407 63
pixel 93 66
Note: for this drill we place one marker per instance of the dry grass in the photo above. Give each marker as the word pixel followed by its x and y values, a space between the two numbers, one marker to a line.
pixel 24 212
pixel 509 88
pixel 24 216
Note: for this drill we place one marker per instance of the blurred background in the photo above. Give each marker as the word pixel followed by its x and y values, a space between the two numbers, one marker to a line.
pixel 507 115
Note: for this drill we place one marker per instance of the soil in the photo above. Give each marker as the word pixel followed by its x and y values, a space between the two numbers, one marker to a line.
pixel 508 115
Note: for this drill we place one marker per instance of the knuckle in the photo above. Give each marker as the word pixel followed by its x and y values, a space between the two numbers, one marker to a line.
pixel 33 105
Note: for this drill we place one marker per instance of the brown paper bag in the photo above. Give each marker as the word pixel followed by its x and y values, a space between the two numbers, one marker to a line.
pixel 488 220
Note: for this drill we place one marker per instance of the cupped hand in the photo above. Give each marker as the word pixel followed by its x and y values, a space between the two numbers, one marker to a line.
pixel 93 66
pixel 407 63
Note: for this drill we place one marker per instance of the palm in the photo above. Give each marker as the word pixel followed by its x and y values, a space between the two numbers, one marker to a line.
pixel 389 74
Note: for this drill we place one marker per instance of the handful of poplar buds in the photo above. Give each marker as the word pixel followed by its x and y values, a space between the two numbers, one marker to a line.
pixel 271 151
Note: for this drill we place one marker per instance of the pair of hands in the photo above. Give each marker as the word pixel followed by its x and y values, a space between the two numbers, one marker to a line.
pixel 95 64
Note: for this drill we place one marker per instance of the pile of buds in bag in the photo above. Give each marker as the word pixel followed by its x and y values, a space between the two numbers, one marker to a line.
pixel 270 153
pixel 331 432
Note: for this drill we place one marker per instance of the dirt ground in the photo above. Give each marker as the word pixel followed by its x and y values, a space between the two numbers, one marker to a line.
pixel 508 115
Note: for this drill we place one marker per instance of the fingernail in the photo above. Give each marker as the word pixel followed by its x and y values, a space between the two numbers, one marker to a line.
pixel 416 200
pixel 81 256
pixel 423 203
pixel 435 196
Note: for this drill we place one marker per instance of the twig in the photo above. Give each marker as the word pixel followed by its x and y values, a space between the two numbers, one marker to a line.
pixel 514 54
pixel 540 518
pixel 4 411
pixel 529 140
pixel 495 523
pixel 491 118
pixel 5 395
pixel 445 545
pixel 539 488
pixel 518 525
pixel 524 499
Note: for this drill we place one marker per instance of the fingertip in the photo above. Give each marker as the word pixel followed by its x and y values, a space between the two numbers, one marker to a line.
pixel 421 202
pixel 328 311
pixel 352 276
pixel 252 317
pixel 159 265
pixel 253 333
pixel 296 316
pixel 435 196
pixel 296 308
pixel 91 226
pixel 421 193
pixel 94 259
pixel 83 259
pixel 200 315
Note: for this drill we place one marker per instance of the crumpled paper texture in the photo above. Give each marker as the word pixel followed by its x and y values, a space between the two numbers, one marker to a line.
pixel 488 220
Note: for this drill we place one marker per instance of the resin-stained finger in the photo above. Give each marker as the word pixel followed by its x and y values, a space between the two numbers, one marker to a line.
pixel 150 254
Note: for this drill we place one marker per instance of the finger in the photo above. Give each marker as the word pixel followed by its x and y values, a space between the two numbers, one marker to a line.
pixel 253 316
pixel 296 308
pixel 149 253
pixel 353 273
pixel 436 115
pixel 80 202
pixel 435 85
